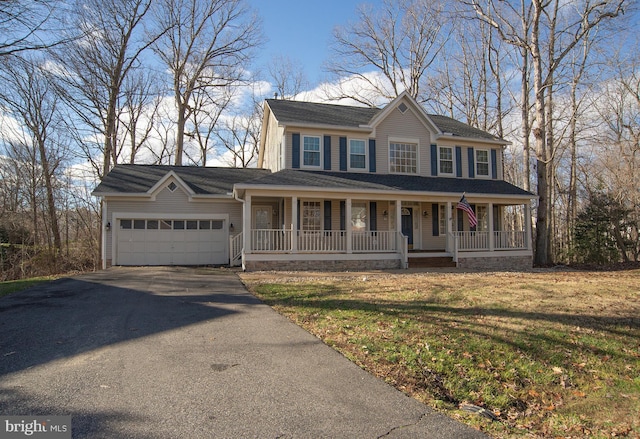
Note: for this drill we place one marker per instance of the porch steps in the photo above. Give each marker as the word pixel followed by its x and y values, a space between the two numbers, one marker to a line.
pixel 431 262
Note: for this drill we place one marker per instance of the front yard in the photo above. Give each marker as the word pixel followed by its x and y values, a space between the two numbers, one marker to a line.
pixel 549 353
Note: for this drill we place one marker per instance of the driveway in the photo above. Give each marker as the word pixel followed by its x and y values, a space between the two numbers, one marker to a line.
pixel 188 353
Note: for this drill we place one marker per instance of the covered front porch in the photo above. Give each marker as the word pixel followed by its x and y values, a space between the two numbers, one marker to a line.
pixel 334 231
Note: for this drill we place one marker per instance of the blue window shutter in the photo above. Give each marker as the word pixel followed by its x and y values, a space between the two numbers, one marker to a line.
pixel 327 214
pixel 343 153
pixel 435 212
pixel 494 164
pixel 295 150
pixel 372 155
pixel 472 166
pixel 343 214
pixel 460 221
pixel 373 216
pixel 458 162
pixel 434 160
pixel 327 153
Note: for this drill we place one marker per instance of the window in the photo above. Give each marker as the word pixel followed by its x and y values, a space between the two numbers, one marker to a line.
pixel 311 215
pixel 172 186
pixel 482 162
pixel 192 225
pixel 403 158
pixel 178 225
pixel 311 151
pixel 445 160
pixel 442 219
pixel 205 225
pixel 139 224
pixel 357 154
pixel 481 215
pixel 152 225
pixel 359 217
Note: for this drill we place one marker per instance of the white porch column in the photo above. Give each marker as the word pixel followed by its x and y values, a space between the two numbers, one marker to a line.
pixel 246 224
pixel 348 225
pixel 294 224
pixel 527 225
pixel 490 228
pixel 399 216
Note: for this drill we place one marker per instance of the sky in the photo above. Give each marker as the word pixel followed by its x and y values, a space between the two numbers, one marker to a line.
pixel 302 30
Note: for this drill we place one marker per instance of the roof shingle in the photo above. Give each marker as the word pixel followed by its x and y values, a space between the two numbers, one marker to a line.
pixel 137 179
pixel 312 113
pixel 387 182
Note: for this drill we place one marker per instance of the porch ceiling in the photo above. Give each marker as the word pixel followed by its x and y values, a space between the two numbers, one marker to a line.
pixel 301 179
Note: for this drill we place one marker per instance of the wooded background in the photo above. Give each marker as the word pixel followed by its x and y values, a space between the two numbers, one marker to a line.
pixel 88 84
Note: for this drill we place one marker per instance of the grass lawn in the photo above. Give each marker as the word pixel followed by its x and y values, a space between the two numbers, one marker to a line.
pixel 551 354
pixel 12 286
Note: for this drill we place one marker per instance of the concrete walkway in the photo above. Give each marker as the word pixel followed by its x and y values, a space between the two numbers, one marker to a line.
pixel 188 353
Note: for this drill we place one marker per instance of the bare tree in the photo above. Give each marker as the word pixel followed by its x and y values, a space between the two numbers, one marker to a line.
pixel 287 76
pixel 555 29
pixel 207 45
pixel 400 43
pixel 95 67
pixel 31 100
pixel 29 25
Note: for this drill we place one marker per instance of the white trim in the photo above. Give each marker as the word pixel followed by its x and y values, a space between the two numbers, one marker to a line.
pixel 404 141
pixel 474 140
pixel 475 163
pixel 366 155
pixel 320 151
pixel 453 161
pixel 320 256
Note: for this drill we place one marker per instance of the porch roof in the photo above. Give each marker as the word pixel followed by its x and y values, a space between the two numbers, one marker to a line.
pixel 357 182
pixel 125 179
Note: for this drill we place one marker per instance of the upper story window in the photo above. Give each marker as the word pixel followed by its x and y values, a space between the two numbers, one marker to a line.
pixel 445 160
pixel 357 154
pixel 311 151
pixel 482 162
pixel 403 158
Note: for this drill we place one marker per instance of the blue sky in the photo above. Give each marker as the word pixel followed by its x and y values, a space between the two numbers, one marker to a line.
pixel 302 29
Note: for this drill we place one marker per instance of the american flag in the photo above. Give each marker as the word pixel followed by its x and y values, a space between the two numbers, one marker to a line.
pixel 463 204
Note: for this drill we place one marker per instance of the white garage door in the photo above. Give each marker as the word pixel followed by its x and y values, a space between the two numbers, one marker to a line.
pixel 172 242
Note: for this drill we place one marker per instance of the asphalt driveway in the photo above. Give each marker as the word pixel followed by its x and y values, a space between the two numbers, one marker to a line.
pixel 188 353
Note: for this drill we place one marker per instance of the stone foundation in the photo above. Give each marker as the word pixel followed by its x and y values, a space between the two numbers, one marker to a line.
pixel 333 265
pixel 497 263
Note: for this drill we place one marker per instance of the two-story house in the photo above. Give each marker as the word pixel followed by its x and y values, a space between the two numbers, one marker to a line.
pixel 339 188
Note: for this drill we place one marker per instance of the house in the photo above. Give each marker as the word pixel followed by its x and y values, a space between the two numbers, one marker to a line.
pixel 337 188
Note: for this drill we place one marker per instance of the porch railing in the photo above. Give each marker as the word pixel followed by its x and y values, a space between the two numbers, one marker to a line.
pixel 502 240
pixel 472 240
pixel 510 240
pixel 235 246
pixel 323 241
pixel 271 240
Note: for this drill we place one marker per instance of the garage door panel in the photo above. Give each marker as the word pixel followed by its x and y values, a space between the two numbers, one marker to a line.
pixel 163 246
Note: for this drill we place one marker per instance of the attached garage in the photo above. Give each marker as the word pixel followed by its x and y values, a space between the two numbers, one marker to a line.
pixel 170 215
pixel 172 242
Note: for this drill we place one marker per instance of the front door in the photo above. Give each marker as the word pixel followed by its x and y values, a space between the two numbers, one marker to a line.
pixel 407 224
pixel 262 227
